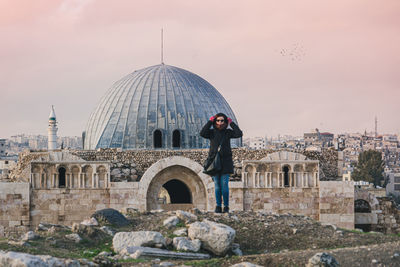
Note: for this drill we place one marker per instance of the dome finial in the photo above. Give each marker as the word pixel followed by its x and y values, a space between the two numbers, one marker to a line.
pixel 162 47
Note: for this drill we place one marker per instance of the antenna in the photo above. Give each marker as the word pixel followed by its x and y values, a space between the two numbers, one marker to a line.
pixel 376 126
pixel 162 47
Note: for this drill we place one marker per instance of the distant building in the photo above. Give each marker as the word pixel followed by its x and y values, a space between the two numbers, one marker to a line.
pixel 316 138
pixel 257 143
pixel 393 185
pixel 2 147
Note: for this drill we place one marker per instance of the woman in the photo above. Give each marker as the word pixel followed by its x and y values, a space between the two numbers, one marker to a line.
pixel 217 134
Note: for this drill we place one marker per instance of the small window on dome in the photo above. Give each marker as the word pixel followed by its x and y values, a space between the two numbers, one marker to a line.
pixel 176 139
pixel 157 139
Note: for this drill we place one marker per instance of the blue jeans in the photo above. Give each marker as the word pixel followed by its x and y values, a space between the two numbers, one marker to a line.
pixel 221 182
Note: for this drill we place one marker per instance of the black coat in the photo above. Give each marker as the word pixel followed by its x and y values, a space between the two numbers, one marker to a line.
pixel 215 137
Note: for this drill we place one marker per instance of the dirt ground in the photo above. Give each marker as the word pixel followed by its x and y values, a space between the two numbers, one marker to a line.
pixel 265 239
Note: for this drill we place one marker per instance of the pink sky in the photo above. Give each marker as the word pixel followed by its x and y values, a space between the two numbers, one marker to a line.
pixel 285 67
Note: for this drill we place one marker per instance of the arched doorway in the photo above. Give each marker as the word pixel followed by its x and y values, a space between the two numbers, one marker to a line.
pixel 362 211
pixel 178 192
pixel 286 175
pixel 176 188
pixel 176 139
pixel 61 177
pixel 157 139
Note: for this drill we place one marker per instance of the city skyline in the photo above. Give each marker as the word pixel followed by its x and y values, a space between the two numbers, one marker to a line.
pixel 284 68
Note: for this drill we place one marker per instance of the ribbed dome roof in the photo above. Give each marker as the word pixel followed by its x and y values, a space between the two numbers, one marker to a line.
pixel 161 97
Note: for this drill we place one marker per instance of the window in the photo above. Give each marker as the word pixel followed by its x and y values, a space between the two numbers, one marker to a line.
pixel 157 139
pixel 397 187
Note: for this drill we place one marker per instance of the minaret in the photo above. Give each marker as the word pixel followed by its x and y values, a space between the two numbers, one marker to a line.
pixel 52 130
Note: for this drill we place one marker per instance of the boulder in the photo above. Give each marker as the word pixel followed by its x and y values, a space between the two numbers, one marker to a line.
pixel 90 222
pixel 18 259
pixel 88 231
pixel 171 222
pixel 123 240
pixel 215 237
pixel 31 235
pixel 185 244
pixel 74 237
pixel 180 232
pixel 111 216
pixel 322 259
pixel 185 216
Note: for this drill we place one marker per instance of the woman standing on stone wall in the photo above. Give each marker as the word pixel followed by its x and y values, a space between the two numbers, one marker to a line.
pixel 216 130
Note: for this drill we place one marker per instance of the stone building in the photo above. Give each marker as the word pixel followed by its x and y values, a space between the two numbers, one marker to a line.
pixel 159 107
pixel 62 187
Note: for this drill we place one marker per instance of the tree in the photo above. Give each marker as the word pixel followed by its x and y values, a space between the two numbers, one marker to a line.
pixel 369 167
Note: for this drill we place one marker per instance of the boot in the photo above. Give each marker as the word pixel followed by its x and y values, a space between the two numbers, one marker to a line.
pixel 226 209
pixel 218 209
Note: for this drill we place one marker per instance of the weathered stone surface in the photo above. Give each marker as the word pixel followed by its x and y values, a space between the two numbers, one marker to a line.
pixel 16 259
pixel 156 252
pixel 90 222
pixel 236 249
pixel 216 237
pixel 74 237
pixel 322 260
pixel 31 235
pixel 187 217
pixel 180 232
pixel 111 216
pixel 185 244
pixel 123 240
pixel 171 222
pixel 108 230
pixel 245 264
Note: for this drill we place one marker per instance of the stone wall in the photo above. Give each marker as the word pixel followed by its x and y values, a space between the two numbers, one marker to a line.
pixel 14 208
pixel 300 201
pixel 138 161
pixel 66 206
pixel 336 204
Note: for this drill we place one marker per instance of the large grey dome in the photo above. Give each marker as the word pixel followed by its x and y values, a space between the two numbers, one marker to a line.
pixel 156 107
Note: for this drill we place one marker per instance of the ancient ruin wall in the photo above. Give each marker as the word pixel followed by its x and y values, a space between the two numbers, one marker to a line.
pixel 337 203
pixel 14 208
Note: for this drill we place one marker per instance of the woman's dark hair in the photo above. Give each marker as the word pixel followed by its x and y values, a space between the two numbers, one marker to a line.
pixel 220 115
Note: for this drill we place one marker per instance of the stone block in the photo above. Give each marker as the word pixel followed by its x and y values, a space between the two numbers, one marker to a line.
pixel 324 206
pixel 14 223
pixel 268 206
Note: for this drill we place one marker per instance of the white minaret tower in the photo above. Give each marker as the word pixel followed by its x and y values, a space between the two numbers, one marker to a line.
pixel 52 130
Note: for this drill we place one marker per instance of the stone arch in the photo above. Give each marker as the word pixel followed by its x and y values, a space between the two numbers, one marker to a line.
pixel 298 168
pixel 62 176
pixel 102 173
pixel 180 168
pixel 87 171
pixel 286 169
pixel 75 171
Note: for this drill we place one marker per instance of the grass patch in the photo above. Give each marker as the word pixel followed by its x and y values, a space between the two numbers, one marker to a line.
pixel 180 224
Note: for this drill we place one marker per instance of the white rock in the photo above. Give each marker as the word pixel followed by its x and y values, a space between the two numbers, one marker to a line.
pixel 17 259
pixel 123 240
pixel 216 237
pixel 31 235
pixel 90 222
pixel 171 222
pixel 137 254
pixel 185 244
pixel 187 217
pixel 180 232
pixel 108 230
pixel 245 264
pixel 74 237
